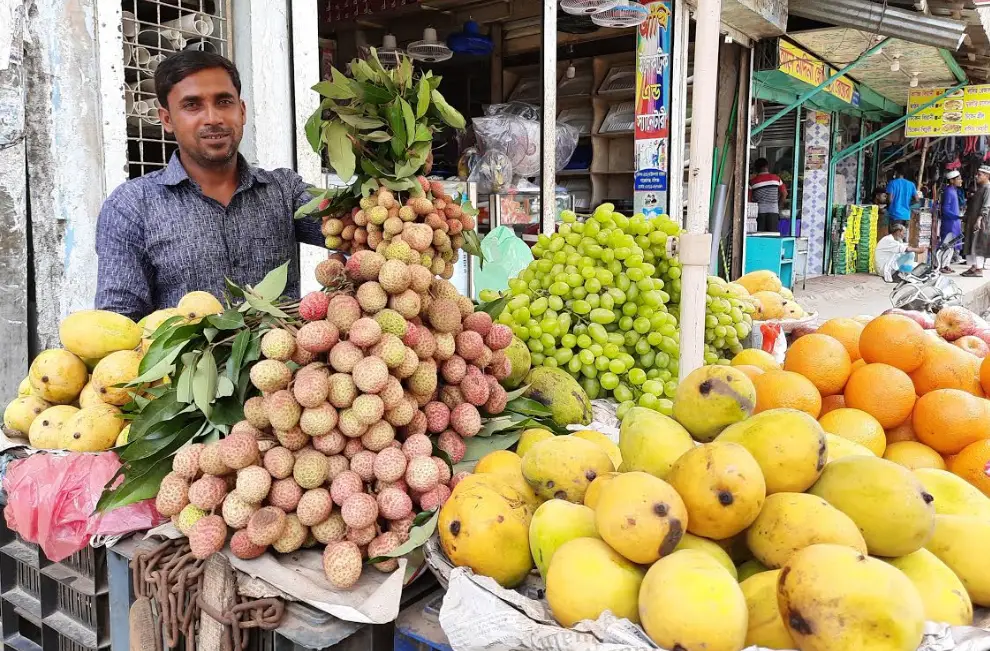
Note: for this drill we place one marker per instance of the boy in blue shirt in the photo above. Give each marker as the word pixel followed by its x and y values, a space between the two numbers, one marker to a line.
pixel 951 222
pixel 901 193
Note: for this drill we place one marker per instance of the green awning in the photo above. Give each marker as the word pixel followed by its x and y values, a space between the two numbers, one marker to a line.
pixel 781 88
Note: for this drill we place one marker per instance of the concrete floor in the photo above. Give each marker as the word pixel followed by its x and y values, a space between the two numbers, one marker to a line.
pixel 855 294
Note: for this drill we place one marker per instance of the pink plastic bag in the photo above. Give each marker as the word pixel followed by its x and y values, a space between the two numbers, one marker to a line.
pixel 51 498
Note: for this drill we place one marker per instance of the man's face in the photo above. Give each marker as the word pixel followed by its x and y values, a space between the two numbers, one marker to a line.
pixel 899 235
pixel 983 177
pixel 206 116
pixel 957 182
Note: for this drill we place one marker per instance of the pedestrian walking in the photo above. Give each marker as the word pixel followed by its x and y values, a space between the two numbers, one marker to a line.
pixel 978 225
pixel 951 207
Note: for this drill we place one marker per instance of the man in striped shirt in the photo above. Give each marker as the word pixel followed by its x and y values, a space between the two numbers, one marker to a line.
pixel 767 190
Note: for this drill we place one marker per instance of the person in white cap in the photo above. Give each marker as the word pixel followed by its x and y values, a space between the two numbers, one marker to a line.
pixel 951 205
pixel 978 225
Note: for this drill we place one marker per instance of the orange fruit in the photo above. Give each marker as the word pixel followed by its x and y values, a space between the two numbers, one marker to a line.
pixel 755 357
pixel 912 455
pixel 973 465
pixel 750 371
pixel 985 374
pixel 859 363
pixel 857 426
pixel 846 331
pixel 895 340
pixel 778 389
pixel 949 419
pixel 882 391
pixel 947 367
pixel 821 359
pixel 903 432
pixel 833 402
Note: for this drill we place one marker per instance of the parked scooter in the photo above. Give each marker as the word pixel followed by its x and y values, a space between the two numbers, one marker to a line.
pixel 925 288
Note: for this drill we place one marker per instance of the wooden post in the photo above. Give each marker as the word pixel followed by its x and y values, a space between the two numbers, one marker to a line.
pixel 220 594
pixel 13 202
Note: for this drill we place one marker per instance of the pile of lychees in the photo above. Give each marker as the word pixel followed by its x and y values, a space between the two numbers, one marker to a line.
pixel 339 448
pixel 430 225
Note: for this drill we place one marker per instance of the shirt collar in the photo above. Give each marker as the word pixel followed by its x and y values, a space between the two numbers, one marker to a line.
pixel 174 173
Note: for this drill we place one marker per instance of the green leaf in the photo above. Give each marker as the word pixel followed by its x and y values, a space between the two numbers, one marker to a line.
pixel 529 407
pixel 273 284
pixel 410 121
pixel 499 423
pixel 233 289
pixel 494 308
pixel 420 151
pixel 376 95
pixel 312 129
pixel 375 136
pixel 337 87
pixel 135 488
pixel 512 395
pixel 397 122
pixel 472 246
pixel 229 320
pixel 266 307
pixel 478 447
pixel 183 388
pixel 161 410
pixel 467 208
pixel 225 387
pixel 339 149
pixel 423 134
pixel 448 113
pixel 227 411
pixel 404 73
pixel 307 208
pixel 384 76
pixel 370 186
pixel 434 81
pixel 204 382
pixel 237 352
pixel 422 97
pixel 360 121
pixel 406 169
pixel 398 186
pixel 418 535
pixel 148 447
pixel 165 366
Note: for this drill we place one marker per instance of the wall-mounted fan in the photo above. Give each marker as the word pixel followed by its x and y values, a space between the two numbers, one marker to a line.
pixel 586 7
pixel 389 53
pixel 470 41
pixel 571 24
pixel 624 14
pixel 429 50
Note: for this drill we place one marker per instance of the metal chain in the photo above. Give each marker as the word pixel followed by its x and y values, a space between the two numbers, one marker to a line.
pixel 172 578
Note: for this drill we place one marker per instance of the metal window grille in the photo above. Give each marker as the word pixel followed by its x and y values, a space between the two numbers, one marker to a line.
pixel 154 29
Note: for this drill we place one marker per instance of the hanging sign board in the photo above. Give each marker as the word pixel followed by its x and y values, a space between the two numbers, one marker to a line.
pixel 799 64
pixel 966 112
pixel 653 47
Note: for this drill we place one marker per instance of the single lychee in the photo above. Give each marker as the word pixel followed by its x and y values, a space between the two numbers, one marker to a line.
pixel 331 530
pixel 285 494
pixel 283 410
pixel 187 518
pixel 410 363
pixel 475 389
pixel 361 536
pixel 446 347
pixel 185 463
pixel 392 322
pixel 437 416
pixel 419 279
pixel 330 444
pixel 451 395
pixel 444 315
pixel 378 436
pixel 417 446
pixel 238 450
pixel 352 447
pixel 391 350
pixel 394 504
pixel 344 357
pixel 365 332
pixel 501 366
pixel 310 470
pixel 173 494
pixel 499 337
pixel 394 277
pixel 414 334
pixel 303 357
pixel 402 414
pixel 418 423
pixel 207 536
pixel 278 344
pixel 363 463
pixel 465 306
pixel 423 381
pixel 270 375
pixel 210 461
pixel 443 469
pixel 497 400
pixel 468 344
pixel 422 474
pixel 384 544
pixel 253 484
pixel 452 443
pixel 314 507
pixel 389 465
pixel 349 425
pixel 310 389
pixel 343 311
pixel 317 336
pixel 368 408
pixel 360 510
pixel 293 536
pixel 313 306
pixel 293 439
pixel 393 393
pixel 408 303
pixel 402 526
pixel 337 463
pixel 244 427
pixel 266 525
pixel 485 358
pixel 465 419
pixel 342 390
pixel 453 370
pixel 318 421
pixel 371 297
pixel 329 272
pixel 207 492
pixel 370 375
pixel 236 512
pixel 434 498
pixel 242 547
pixel 344 485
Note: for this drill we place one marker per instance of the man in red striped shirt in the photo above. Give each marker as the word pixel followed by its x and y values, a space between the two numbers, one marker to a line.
pixel 767 190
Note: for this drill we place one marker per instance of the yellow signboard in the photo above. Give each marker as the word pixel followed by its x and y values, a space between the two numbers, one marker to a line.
pixel 965 112
pixel 813 71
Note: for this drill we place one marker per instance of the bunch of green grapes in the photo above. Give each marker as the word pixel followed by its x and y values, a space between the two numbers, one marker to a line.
pixel 728 320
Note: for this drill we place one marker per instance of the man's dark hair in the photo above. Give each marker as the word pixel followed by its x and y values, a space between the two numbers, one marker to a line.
pixel 762 165
pixel 897 228
pixel 899 169
pixel 188 62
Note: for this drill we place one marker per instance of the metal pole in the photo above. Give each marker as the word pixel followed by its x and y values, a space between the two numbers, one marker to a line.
pixel 678 113
pixel 548 124
pixel 695 244
pixel 796 169
pixel 829 209
pixel 804 97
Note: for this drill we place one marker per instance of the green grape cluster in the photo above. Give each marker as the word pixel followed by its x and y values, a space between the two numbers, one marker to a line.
pixel 600 300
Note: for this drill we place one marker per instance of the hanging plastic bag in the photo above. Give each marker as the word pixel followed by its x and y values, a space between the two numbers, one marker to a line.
pixel 505 256
pixel 51 500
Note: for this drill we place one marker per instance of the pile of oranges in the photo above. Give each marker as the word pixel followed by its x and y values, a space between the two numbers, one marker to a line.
pixel 889 385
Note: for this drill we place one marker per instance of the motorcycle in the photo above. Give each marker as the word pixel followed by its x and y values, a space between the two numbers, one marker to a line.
pixel 925 288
